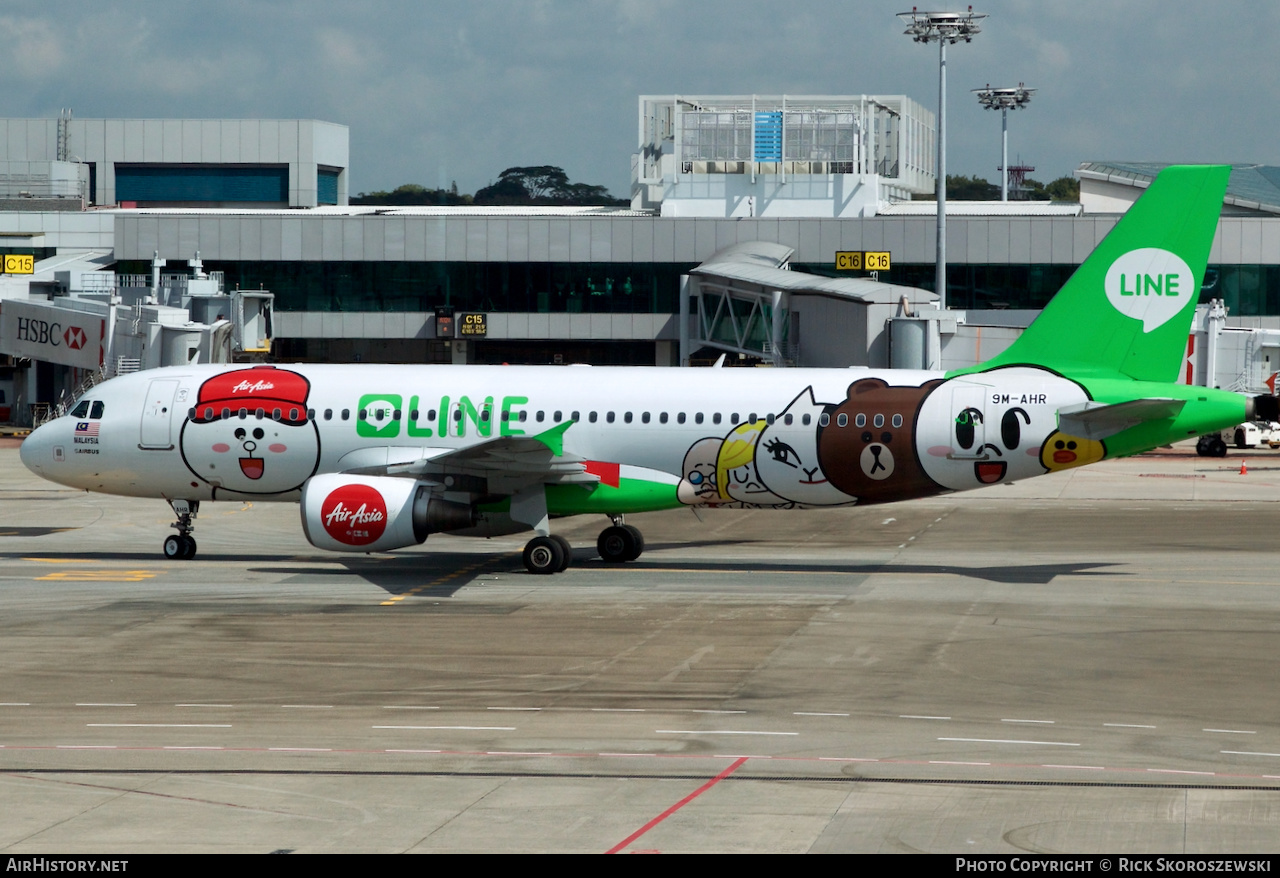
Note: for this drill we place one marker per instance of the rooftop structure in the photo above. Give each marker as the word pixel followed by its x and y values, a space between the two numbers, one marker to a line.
pixel 780 155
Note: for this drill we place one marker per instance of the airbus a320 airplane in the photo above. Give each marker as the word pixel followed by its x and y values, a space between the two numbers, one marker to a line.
pixel 382 456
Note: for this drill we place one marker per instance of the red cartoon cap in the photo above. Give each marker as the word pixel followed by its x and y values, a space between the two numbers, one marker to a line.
pixel 262 387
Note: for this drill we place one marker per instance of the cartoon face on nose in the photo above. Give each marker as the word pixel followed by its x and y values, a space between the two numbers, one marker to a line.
pixel 250 432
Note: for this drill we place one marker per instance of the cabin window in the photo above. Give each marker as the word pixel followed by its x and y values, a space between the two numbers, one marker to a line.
pixel 226 413
pixel 662 418
pixel 823 419
pixel 751 418
pixel 733 418
pixel 609 417
pixel 770 418
pixel 697 419
pixel 311 414
pixel 506 416
pixel 484 415
pixel 556 417
pixel 380 413
pixel 715 418
pixel 81 410
pixel 680 418
pixel 362 415
pixel 897 420
pixel 576 416
pixel 860 420
pixel 395 415
pixel 592 417
pixel 431 414
pixel 787 419
pixel 328 414
pixel 804 419
pixel 540 416
pixel 644 418
pixel 457 415
pixel 260 414
pixel 346 414
pixel 276 414
pixel 842 420
pixel 878 421
pixel 413 414
pixel 627 417
pixel 524 416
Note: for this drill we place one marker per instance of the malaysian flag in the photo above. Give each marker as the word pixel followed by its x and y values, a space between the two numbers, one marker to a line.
pixel 87 428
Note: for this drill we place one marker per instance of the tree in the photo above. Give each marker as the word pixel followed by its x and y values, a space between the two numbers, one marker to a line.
pixel 542 184
pixel 975 188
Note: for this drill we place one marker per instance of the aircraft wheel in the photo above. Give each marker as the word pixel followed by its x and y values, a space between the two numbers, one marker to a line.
pixel 1217 448
pixel 1202 446
pixel 617 544
pixel 543 556
pixel 638 537
pixel 568 552
pixel 189 548
pixel 175 547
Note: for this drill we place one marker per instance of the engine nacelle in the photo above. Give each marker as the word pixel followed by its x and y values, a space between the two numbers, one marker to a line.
pixel 345 513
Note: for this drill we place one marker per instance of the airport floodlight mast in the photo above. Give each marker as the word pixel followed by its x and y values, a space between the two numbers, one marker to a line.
pixel 944 27
pixel 1004 100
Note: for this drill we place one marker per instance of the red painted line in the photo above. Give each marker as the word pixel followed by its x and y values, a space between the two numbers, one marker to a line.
pixel 678 805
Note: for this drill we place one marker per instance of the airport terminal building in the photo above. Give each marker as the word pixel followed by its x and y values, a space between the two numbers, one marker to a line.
pixel 740 206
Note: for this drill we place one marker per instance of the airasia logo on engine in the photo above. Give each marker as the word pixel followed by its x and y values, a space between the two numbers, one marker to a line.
pixel 354 514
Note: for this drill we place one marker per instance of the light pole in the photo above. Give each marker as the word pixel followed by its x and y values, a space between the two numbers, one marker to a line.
pixel 1004 100
pixel 944 27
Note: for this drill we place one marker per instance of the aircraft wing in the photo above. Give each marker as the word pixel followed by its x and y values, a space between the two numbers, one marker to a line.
pixel 1095 420
pixel 501 465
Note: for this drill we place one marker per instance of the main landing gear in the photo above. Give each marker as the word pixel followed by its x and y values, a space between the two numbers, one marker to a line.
pixel 618 543
pixel 182 546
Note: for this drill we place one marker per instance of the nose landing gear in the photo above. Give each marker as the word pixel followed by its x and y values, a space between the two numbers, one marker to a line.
pixel 182 546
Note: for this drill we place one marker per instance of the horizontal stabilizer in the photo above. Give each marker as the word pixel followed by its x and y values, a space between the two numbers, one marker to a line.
pixel 1094 420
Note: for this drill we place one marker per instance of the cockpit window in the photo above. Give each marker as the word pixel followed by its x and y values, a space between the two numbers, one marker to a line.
pixel 96 411
pixel 81 410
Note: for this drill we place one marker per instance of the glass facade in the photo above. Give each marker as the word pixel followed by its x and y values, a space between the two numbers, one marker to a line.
pixel 530 287
pixel 194 183
pixel 644 288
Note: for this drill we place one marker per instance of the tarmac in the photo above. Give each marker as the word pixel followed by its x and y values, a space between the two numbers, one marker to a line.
pixel 1079 663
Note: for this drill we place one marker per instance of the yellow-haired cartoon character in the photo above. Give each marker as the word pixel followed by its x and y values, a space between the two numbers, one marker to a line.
pixel 736 476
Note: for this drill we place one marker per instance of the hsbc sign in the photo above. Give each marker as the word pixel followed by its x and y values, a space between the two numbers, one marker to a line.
pixel 55 335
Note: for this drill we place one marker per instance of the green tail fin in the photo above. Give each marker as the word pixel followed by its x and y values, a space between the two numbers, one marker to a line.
pixel 1127 310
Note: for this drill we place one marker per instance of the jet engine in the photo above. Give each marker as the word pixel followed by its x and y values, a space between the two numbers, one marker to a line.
pixel 345 513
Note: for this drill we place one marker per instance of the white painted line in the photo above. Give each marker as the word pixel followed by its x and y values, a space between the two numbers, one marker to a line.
pixel 1045 722
pixel 204 705
pixel 1126 726
pixel 1081 767
pixel 15 703
pixel 720 732
pixel 307 706
pixel 1229 731
pixel 105 704
pixel 915 716
pixel 695 710
pixel 945 762
pixel 451 728
pixel 1180 771
pixel 518 753
pixel 414 751
pixel 514 708
pixel 86 747
pixel 889 521
pixel 617 710
pixel 815 713
pixel 158 725
pixel 1006 741
pixel 1247 753
pixel 300 749
pixel 408 707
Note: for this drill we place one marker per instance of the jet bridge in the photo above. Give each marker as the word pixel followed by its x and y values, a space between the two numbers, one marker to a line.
pixel 746 300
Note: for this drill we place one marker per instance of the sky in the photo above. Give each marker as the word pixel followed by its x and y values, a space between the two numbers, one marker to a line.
pixel 440 91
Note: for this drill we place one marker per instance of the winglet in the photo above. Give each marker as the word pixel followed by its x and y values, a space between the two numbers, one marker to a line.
pixel 554 438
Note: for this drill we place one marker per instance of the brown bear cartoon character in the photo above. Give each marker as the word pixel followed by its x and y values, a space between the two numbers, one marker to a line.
pixel 867 446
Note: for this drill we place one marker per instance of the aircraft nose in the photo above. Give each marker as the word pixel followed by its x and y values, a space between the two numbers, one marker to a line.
pixel 36 451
